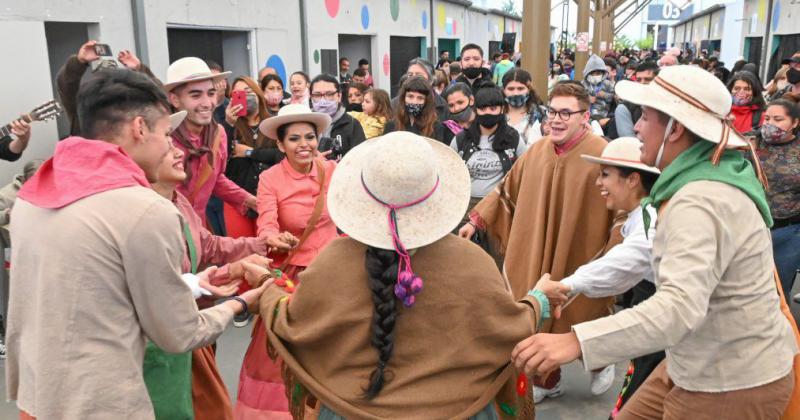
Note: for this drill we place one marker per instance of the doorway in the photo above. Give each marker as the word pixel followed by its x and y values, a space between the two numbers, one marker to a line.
pixel 230 49
pixel 63 40
pixel 453 46
pixel 402 49
pixel 354 48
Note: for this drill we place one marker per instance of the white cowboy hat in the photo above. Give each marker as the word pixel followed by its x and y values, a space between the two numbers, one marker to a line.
pixel 624 152
pixel 176 119
pixel 187 70
pixel 693 97
pixel 294 113
pixel 399 168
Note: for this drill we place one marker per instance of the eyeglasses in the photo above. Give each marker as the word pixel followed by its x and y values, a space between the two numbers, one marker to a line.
pixel 326 95
pixel 564 114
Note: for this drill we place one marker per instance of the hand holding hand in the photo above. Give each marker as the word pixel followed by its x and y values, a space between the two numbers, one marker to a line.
pixel 556 293
pixel 253 296
pixel 467 231
pixel 236 269
pixel 254 274
pixel 284 241
pixel 541 353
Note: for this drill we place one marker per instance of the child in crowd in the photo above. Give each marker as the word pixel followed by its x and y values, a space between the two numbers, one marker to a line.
pixel 377 109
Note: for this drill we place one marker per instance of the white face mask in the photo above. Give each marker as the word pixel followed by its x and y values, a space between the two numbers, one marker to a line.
pixel 667 132
pixel 594 79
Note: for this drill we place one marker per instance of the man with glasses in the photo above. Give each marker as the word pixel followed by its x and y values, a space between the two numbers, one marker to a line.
pixel 547 217
pixel 626 114
pixel 344 132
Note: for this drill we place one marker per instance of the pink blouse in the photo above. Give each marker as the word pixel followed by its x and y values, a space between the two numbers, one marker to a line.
pixel 286 200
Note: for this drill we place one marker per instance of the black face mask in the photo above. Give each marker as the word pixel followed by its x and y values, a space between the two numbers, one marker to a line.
pixel 355 107
pixel 489 120
pixel 472 72
pixel 793 76
pixel 461 116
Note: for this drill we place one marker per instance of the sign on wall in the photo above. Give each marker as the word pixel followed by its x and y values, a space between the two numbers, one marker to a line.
pixel 582 42
pixel 668 12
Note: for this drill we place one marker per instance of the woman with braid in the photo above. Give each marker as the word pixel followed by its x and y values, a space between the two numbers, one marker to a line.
pixel 401 319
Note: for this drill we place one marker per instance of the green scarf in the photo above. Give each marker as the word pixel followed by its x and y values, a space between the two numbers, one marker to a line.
pixel 694 164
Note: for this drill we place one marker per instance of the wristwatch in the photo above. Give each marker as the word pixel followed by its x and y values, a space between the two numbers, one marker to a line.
pixel 248 152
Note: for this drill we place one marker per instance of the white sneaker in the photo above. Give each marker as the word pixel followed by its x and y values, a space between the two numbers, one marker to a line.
pixel 2 349
pixel 602 381
pixel 539 394
pixel 243 323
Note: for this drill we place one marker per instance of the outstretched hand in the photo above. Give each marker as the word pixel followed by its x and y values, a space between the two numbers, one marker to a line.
pixel 540 354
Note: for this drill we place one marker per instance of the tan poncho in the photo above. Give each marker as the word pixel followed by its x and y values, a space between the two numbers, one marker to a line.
pixel 548 217
pixel 452 349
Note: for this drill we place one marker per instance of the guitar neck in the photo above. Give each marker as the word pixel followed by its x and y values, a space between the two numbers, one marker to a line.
pixel 5 131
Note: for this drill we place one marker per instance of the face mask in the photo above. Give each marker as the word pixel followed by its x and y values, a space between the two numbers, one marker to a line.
pixel 772 134
pixel 793 76
pixel 782 84
pixel 252 103
pixel 667 132
pixel 462 116
pixel 489 120
pixel 414 109
pixel 472 72
pixel 557 70
pixel 742 99
pixel 326 106
pixel 594 79
pixel 517 101
pixel 274 98
pixel 356 108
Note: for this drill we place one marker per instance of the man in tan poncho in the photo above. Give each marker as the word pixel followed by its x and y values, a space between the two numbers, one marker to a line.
pixel 547 217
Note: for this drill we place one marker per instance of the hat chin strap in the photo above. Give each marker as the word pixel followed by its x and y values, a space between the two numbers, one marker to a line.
pixel 664 142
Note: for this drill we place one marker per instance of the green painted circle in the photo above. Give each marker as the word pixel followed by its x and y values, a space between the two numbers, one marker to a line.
pixel 394 7
pixel 316 56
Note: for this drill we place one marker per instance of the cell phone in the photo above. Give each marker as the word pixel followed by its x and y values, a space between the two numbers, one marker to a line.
pixel 239 97
pixel 103 50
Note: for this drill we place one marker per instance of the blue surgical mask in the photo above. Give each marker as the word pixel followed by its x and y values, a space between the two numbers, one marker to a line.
pixel 325 106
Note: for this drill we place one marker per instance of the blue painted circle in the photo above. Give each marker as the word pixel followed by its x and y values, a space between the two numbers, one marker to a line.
pixel 276 63
pixel 424 19
pixel 776 15
pixel 365 16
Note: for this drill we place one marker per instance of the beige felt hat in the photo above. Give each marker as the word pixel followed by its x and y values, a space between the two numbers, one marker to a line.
pixel 187 70
pixel 176 119
pixel 624 152
pixel 693 97
pixel 294 113
pixel 399 168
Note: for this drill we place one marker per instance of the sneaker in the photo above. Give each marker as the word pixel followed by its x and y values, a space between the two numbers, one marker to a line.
pixel 243 323
pixel 539 394
pixel 602 381
pixel 2 349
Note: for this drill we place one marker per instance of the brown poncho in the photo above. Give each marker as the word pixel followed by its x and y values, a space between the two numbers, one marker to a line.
pixel 548 217
pixel 452 349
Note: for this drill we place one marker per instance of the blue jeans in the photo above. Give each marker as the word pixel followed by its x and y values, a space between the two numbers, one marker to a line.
pixel 786 248
pixel 216 216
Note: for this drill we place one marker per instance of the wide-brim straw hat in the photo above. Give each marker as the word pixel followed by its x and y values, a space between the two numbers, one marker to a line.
pixel 176 119
pixel 693 97
pixel 623 152
pixel 188 70
pixel 399 168
pixel 293 113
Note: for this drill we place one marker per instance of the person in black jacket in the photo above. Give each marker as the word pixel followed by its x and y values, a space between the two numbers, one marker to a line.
pixel 422 68
pixel 344 132
pixel 416 112
pixel 472 71
pixel 12 146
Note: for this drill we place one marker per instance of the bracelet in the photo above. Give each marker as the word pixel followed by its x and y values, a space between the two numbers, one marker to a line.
pixel 544 304
pixel 245 313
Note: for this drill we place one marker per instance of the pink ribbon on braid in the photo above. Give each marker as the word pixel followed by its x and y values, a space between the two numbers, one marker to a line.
pixel 408 284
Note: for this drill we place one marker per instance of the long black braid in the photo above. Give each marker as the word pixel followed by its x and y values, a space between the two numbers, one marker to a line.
pixel 382 271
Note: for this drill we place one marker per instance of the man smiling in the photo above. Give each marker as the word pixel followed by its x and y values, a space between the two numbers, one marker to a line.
pixel 191 88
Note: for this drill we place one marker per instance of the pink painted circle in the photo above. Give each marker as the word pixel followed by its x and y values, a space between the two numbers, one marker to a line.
pixel 386 64
pixel 333 7
pixel 455 26
pixel 513 26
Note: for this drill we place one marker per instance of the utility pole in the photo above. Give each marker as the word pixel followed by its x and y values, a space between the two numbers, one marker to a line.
pixel 598 24
pixel 581 58
pixel 536 42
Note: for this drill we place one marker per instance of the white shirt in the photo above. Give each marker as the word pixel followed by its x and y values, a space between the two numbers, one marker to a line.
pixel 623 266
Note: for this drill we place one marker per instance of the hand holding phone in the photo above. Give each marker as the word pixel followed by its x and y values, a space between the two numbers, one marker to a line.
pixel 239 97
pixel 103 50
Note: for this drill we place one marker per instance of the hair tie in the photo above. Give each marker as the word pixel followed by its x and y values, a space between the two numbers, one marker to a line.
pixel 408 283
